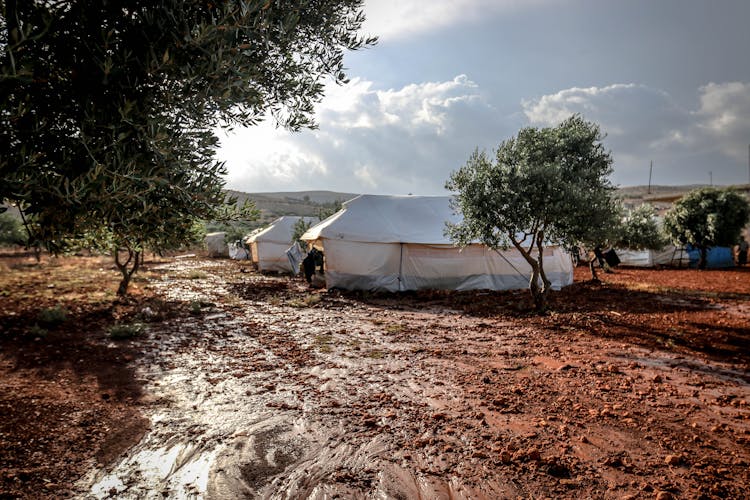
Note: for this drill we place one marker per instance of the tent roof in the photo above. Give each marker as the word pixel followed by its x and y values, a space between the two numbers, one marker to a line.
pixel 388 219
pixel 280 230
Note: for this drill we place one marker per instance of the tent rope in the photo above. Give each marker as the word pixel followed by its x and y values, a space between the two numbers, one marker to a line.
pixel 509 262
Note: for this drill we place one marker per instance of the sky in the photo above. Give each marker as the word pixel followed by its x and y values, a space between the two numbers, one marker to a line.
pixel 667 81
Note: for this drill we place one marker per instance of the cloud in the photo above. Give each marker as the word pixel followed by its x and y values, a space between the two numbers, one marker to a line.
pixel 385 141
pixel 722 120
pixel 394 19
pixel 631 115
pixel 408 139
pixel 644 124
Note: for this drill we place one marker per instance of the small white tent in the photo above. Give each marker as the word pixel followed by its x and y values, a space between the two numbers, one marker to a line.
pixel 670 255
pixel 396 243
pixel 216 244
pixel 268 246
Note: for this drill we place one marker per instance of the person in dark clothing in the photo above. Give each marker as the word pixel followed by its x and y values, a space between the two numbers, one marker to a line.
pixel 314 258
pixel 598 257
pixel 742 253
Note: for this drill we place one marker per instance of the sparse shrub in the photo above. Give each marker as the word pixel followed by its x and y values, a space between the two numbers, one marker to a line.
pixel 52 316
pixel 125 331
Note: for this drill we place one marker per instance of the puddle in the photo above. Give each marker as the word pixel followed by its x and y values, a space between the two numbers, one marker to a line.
pixel 260 397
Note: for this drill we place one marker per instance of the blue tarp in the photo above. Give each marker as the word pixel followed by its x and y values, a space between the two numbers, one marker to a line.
pixel 717 257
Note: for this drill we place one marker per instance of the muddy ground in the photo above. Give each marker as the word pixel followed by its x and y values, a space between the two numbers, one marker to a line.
pixel 251 386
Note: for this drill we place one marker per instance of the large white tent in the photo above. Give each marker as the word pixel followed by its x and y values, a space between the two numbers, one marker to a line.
pixel 268 246
pixel 397 243
pixel 670 255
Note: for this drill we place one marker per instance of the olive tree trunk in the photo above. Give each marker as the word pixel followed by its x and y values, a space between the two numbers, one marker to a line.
pixel 127 268
pixel 538 292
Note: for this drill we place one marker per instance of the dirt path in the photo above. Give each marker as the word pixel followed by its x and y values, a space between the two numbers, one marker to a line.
pixel 271 390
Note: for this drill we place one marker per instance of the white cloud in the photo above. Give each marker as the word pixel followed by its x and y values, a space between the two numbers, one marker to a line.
pixel 629 113
pixel 391 141
pixel 644 124
pixel 409 139
pixel 723 119
pixel 392 19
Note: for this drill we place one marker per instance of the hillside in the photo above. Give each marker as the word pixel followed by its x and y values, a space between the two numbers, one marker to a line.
pixel 308 203
pixel 305 203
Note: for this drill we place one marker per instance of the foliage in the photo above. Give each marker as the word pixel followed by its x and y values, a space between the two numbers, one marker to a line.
pixel 545 184
pixel 707 217
pixel 328 209
pixel 235 230
pixel 639 230
pixel 108 109
pixel 11 230
pixel 300 228
pixel 51 317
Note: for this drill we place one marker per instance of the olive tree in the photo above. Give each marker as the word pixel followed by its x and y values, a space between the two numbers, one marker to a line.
pixel 544 185
pixel 707 217
pixel 640 230
pixel 108 109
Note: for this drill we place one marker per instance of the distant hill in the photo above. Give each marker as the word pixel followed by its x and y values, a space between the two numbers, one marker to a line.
pixel 309 203
pixel 644 191
pixel 305 203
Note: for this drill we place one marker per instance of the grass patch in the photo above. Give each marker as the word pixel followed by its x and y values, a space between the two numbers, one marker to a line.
pixel 275 300
pixel 125 331
pixel 323 342
pixel 395 328
pixel 306 301
pixel 375 354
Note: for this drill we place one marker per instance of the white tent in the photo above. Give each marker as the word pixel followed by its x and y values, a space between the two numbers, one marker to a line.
pixel 670 255
pixel 396 243
pixel 216 244
pixel 268 246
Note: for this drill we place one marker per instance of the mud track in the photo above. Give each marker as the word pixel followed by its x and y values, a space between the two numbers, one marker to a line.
pixel 273 390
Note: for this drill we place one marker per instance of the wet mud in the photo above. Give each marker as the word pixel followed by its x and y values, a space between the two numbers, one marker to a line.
pixel 270 389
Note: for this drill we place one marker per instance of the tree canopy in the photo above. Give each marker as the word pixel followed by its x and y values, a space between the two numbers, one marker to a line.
pixel 544 185
pixel 640 230
pixel 109 109
pixel 707 217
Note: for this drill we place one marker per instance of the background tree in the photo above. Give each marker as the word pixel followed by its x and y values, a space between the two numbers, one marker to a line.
pixel 300 227
pixel 108 108
pixel 707 217
pixel 545 185
pixel 11 229
pixel 640 230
